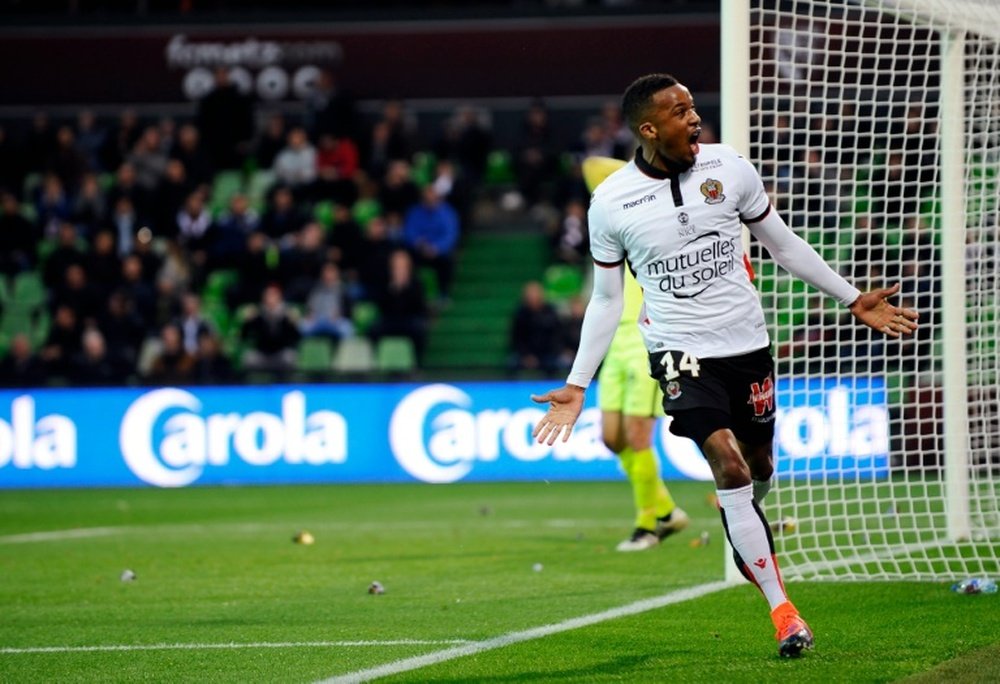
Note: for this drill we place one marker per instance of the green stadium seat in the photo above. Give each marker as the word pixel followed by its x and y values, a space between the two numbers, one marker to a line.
pixel 364 315
pixel 323 212
pixel 224 186
pixel 365 210
pixel 562 282
pixel 395 355
pixel 29 291
pixel 499 168
pixel 219 283
pixel 424 168
pixel 429 279
pixel 258 185
pixel 354 355
pixel 315 354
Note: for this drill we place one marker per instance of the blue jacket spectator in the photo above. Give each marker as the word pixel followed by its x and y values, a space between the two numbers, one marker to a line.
pixel 431 231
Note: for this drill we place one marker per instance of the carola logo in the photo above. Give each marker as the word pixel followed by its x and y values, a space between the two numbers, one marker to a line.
pixel 46 443
pixel 166 443
pixel 436 437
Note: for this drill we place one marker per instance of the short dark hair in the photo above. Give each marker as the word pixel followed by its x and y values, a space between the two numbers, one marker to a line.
pixel 639 95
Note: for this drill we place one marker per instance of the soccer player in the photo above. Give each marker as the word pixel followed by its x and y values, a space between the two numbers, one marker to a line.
pixel 673 215
pixel 630 402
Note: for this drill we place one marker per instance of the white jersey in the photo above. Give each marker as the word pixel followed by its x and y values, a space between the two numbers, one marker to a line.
pixel 682 237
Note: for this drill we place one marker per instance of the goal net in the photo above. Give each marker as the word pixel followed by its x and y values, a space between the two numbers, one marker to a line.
pixel 876 127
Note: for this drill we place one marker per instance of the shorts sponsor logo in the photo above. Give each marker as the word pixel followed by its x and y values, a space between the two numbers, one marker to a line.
pixel 762 396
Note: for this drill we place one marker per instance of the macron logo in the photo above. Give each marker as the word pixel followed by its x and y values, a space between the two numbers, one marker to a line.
pixel 641 200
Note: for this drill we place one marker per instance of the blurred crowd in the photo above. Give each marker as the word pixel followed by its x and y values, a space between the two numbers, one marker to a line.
pixel 208 248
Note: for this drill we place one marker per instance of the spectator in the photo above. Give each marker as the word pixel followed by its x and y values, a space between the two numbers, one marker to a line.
pixel 272 334
pixel 148 159
pixel 536 332
pixel 572 325
pixel 66 253
pixel 169 197
pixel 398 192
pixel 376 251
pixel 255 272
pixel 20 367
pixel 346 242
pixel 535 158
pixel 121 141
pixel 103 265
pixel 53 205
pixel 62 344
pixel 194 221
pixel 337 165
pixel 595 141
pixel 122 328
pixel 618 131
pixel 175 269
pixel 138 291
pixel 326 308
pixel 192 323
pixel 295 165
pixel 228 235
pixel 89 206
pixel 570 240
pixel 67 162
pixel 282 216
pixel 77 293
pixel 467 142
pixel 402 304
pixel 302 262
pixel 330 109
pixel 225 120
pixel 172 365
pixel 271 141
pixel 93 365
pixel 211 365
pixel 125 225
pixel 13 162
pixel 90 139
pixel 431 232
pixel 40 143
pixel 126 186
pixel 189 151
pixel 392 138
pixel 19 237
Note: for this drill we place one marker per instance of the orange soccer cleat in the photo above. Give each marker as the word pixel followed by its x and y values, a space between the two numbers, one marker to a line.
pixel 793 634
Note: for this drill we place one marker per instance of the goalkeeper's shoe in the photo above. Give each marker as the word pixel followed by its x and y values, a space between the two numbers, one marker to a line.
pixel 640 540
pixel 793 634
pixel 676 521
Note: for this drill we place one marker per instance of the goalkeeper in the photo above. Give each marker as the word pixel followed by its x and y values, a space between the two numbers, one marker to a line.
pixel 630 402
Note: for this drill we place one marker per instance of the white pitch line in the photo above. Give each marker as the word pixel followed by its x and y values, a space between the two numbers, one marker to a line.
pixel 59 535
pixel 229 646
pixel 417 662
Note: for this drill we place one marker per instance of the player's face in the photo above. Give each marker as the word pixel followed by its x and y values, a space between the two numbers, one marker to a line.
pixel 673 127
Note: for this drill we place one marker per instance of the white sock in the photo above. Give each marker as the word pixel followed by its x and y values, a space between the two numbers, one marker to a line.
pixel 747 531
pixel 760 489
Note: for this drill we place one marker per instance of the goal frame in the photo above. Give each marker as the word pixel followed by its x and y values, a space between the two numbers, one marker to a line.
pixel 735 131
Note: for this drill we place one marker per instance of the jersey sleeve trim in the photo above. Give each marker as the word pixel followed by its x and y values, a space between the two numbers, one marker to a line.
pixel 609 264
pixel 757 219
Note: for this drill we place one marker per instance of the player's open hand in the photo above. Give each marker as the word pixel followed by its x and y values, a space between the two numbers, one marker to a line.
pixel 565 405
pixel 873 309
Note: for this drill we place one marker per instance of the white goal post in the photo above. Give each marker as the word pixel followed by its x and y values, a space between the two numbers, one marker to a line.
pixel 876 127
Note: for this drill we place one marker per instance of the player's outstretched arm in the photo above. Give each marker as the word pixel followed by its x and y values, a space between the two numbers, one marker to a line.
pixel 874 310
pixel 565 405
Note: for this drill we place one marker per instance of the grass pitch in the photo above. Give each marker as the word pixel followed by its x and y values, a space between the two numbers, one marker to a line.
pixel 222 594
